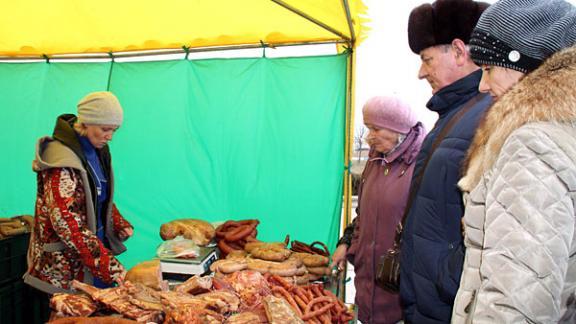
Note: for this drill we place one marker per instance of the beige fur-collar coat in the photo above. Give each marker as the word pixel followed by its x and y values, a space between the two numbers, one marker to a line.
pixel 520 192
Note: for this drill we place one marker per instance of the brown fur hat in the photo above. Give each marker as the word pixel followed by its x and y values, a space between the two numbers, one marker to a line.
pixel 442 21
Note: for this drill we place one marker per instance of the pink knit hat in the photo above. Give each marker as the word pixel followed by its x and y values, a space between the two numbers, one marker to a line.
pixel 390 113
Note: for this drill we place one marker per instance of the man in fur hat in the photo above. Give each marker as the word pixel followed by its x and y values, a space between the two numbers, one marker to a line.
pixel 432 248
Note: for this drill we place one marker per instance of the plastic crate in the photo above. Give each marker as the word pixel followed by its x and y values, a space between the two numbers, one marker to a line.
pixel 22 304
pixel 37 310
pixel 13 303
pixel 13 257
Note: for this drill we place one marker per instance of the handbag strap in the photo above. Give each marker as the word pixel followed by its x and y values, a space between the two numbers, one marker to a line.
pixel 437 140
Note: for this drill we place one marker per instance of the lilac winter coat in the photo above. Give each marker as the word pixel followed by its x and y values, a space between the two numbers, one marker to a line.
pixel 381 201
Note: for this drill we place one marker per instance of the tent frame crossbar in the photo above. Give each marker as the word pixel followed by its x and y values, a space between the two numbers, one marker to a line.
pixel 114 55
pixel 312 19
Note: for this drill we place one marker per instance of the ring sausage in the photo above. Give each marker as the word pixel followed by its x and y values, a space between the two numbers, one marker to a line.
pixel 224 247
pixel 239 233
pixel 225 228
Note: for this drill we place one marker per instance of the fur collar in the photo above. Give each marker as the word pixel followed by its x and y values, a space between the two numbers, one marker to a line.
pixel 546 94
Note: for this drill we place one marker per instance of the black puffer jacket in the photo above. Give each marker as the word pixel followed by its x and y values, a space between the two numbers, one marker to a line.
pixel 432 248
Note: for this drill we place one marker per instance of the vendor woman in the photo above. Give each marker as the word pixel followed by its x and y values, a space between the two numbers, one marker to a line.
pixel 77 229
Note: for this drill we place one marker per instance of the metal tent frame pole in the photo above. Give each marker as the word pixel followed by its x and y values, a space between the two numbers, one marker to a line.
pixel 350 24
pixel 311 19
pixel 117 55
pixel 349 127
pixel 350 95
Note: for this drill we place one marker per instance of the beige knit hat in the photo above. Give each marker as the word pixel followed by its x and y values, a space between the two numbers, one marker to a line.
pixel 100 108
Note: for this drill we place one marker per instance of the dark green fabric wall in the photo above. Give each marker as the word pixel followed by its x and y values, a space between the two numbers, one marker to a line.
pixel 213 139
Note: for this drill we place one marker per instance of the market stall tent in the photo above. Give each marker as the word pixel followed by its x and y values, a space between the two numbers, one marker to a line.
pixel 214 139
pixel 87 26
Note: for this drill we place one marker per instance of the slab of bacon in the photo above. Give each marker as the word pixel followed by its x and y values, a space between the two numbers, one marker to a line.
pixel 244 318
pixel 73 304
pixel 238 298
pixel 174 299
pixel 147 273
pixel 280 312
pixel 197 230
pixel 190 314
pixel 195 285
pixel 92 320
pixel 118 299
pixel 250 286
pixel 144 296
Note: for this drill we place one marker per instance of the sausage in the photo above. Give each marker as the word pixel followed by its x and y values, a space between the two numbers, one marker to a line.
pixel 224 247
pixel 235 245
pixel 239 233
pixel 316 300
pixel 309 314
pixel 300 302
pixel 249 222
pixel 309 293
pixel 13 231
pixel 225 228
pixel 313 321
pixel 324 252
pixel 251 238
pixel 339 305
pixel 288 298
pixel 298 246
pixel 316 290
pixel 325 318
pixel 300 293
pixel 345 317
pixel 282 282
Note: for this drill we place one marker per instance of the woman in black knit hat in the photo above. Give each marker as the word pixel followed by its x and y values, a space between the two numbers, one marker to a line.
pixel 520 174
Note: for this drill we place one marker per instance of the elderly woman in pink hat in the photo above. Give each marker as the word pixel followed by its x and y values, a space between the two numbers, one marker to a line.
pixel 395 137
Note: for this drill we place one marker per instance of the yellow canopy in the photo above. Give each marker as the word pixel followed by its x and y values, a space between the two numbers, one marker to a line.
pixel 35 28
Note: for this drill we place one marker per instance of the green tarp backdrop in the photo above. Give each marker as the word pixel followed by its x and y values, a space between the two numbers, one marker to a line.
pixel 213 139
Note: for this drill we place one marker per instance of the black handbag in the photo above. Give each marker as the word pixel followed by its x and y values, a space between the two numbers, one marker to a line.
pixel 388 269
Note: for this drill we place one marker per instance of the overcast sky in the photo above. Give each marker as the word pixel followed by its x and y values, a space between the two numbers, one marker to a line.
pixel 385 65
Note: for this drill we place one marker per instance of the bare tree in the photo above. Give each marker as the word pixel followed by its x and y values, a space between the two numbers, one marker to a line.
pixel 358 140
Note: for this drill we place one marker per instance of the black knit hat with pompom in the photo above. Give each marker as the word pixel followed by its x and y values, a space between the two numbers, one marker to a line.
pixel 521 34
